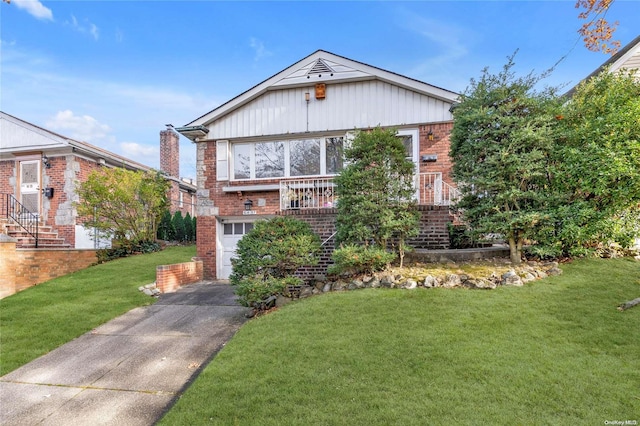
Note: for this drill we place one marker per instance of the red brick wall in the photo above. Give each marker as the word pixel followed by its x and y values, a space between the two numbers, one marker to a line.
pixel 438 146
pixel 171 277
pixel 206 245
pixel 433 232
pixel 23 268
pixel 7 171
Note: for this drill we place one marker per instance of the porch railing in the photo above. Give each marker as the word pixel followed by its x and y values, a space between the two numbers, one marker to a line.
pixel 432 190
pixel 309 193
pixel 313 193
pixel 14 210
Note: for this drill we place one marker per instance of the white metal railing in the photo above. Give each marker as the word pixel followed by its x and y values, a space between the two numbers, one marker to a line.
pixel 307 193
pixel 432 190
pixel 313 193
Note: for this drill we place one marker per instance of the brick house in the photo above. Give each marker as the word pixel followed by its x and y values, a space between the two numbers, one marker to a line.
pixel 40 170
pixel 274 149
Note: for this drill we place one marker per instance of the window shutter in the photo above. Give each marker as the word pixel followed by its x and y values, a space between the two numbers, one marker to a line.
pixel 222 160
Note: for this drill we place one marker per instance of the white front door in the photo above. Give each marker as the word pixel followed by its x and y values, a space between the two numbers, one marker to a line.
pixel 30 185
pixel 411 142
pixel 231 234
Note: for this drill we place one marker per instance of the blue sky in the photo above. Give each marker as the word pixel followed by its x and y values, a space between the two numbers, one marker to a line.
pixel 113 73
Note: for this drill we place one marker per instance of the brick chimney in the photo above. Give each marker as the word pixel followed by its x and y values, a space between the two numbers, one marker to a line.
pixel 170 152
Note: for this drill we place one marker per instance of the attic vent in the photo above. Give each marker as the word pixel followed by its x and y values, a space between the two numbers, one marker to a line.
pixel 320 67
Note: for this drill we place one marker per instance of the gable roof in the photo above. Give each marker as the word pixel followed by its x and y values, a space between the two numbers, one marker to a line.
pixel 40 138
pixel 319 67
pixel 627 57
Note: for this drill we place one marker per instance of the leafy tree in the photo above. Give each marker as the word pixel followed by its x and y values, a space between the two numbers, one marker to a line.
pixel 178 225
pixel 188 228
pixel 598 163
pixel 268 256
pixel 597 31
pixel 501 146
pixel 165 228
pixel 195 229
pixel 376 192
pixel 123 204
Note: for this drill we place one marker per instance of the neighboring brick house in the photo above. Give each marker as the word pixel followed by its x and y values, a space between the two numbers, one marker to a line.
pixel 275 148
pixel 40 169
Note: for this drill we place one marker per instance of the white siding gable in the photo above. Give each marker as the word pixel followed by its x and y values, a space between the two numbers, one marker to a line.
pixel 16 135
pixel 358 104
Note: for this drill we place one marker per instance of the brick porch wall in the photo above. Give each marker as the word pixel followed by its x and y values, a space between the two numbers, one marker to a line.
pixel 433 232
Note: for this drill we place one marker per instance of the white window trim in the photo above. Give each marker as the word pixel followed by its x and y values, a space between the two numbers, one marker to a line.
pixel 222 160
pixel 287 160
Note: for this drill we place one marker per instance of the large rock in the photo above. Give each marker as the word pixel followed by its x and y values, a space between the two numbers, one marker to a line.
pixel 451 280
pixel 410 284
pixel 431 282
pixel 511 278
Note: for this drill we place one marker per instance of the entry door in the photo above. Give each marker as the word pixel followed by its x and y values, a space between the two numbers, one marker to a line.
pixel 411 144
pixel 231 234
pixel 30 185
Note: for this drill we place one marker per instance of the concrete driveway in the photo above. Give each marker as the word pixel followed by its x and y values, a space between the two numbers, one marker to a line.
pixel 128 371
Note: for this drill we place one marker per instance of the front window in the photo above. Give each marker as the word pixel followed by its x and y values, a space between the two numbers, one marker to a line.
pixel 304 157
pixel 269 159
pixel 242 161
pixel 298 157
pixel 334 154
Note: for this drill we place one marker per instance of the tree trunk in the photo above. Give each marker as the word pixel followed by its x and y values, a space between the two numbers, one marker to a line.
pixel 630 304
pixel 515 250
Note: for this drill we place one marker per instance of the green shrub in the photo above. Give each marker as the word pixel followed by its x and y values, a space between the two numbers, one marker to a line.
pixel 254 291
pixel 353 260
pixel 188 228
pixel 127 248
pixel 166 231
pixel 268 256
pixel 178 225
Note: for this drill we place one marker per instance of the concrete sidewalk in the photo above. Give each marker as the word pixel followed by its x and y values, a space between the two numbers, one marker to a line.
pixel 129 370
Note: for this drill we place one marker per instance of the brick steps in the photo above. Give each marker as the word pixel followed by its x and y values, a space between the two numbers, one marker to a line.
pixel 47 237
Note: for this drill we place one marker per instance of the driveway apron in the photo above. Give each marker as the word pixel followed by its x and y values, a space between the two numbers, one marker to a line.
pixel 129 370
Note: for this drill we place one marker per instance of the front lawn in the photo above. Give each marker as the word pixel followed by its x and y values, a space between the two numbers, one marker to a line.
pixel 41 318
pixel 555 351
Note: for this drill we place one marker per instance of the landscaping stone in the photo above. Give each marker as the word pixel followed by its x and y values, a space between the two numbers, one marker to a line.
pixel 282 300
pixel 511 278
pixel 305 292
pixel 374 283
pixel 410 284
pixel 326 288
pixel 451 280
pixel 387 281
pixel 554 271
pixel 430 281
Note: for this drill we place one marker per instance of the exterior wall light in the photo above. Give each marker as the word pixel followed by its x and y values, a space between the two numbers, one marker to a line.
pixel 248 205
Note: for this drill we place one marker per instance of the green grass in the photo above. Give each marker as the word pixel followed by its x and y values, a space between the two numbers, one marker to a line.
pixel 41 318
pixel 555 351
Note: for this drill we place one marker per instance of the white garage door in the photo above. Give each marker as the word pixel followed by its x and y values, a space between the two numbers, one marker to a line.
pixel 231 234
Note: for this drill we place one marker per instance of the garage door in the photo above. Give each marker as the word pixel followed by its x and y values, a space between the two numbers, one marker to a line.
pixel 231 234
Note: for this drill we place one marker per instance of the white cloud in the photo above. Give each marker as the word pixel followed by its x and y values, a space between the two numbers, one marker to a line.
pixel 83 128
pixel 259 49
pixel 34 8
pixel 85 28
pixel 133 149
